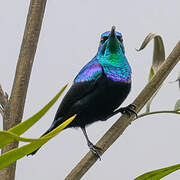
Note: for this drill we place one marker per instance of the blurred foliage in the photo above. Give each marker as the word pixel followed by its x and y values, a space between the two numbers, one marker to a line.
pixel 14 134
pixel 177 105
pixel 17 153
pixel 158 174
pixel 158 58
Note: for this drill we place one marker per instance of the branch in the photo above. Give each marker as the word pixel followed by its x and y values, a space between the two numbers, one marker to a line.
pixel 14 109
pixel 1 111
pixel 124 121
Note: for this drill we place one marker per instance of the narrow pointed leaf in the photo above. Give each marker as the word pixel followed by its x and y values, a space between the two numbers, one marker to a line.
pixel 158 174
pixel 158 58
pixel 17 153
pixel 25 125
pixel 9 137
pixel 158 52
pixel 148 38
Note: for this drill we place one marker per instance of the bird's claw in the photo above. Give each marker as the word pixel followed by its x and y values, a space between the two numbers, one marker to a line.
pixel 94 149
pixel 129 110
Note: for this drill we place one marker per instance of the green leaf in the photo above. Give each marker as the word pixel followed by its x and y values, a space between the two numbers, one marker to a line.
pixel 9 136
pixel 177 105
pixel 158 174
pixel 17 153
pixel 19 129
pixel 158 58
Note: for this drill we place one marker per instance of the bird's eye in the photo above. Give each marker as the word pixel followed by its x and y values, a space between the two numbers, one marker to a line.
pixel 120 38
pixel 103 39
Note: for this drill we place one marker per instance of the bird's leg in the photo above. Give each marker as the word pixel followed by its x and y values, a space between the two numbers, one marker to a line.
pixel 124 110
pixel 94 149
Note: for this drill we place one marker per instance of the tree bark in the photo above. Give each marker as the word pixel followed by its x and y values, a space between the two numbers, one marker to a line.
pixel 124 121
pixel 13 111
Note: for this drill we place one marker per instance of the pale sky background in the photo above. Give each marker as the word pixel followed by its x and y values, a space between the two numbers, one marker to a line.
pixel 69 39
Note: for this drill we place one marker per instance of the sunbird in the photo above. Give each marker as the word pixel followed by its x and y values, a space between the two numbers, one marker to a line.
pixel 99 88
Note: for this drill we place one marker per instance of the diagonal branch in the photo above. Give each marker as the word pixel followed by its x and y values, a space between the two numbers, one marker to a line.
pixel 14 109
pixel 124 121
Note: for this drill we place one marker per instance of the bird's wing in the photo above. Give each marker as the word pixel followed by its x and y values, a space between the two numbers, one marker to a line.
pixel 92 71
pixel 83 85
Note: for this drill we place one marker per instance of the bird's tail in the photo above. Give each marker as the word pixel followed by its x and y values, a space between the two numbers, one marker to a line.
pixel 53 126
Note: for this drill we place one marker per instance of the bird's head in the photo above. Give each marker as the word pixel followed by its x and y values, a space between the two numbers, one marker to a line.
pixel 111 42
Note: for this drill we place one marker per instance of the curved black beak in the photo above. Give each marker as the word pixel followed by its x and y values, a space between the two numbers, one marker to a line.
pixel 112 45
pixel 112 33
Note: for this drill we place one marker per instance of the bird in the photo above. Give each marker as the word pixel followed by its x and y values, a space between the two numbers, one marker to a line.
pixel 99 88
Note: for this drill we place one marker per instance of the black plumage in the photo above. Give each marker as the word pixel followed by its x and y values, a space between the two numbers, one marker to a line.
pixel 96 97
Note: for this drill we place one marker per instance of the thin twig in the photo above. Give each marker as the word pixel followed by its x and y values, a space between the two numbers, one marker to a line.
pixel 124 121
pixel 14 109
pixel 157 112
pixel 3 98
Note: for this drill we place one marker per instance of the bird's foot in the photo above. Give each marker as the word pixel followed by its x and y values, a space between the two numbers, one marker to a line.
pixel 94 149
pixel 128 110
